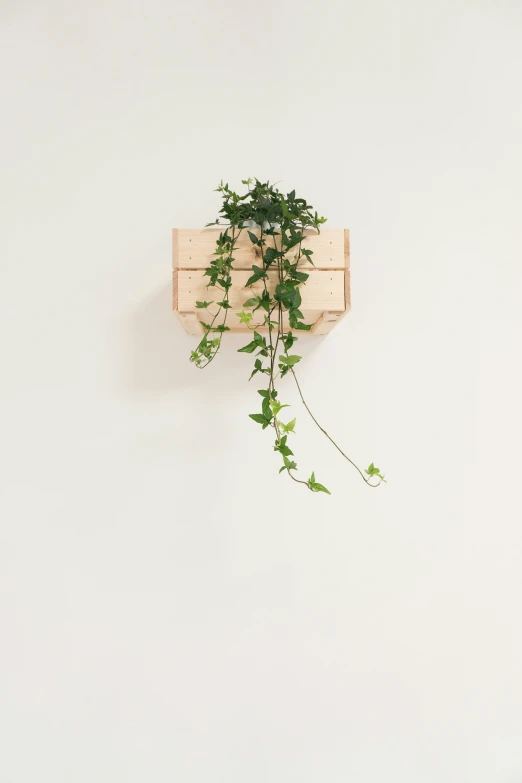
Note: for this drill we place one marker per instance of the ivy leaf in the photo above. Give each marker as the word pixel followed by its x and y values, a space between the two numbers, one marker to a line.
pixel 271 255
pixel 258 275
pixel 295 238
pixel 302 326
pixel 250 348
pixel 260 419
pixel 259 340
pixel 203 305
pixel 244 318
pixel 302 277
pixel 221 328
pixel 289 340
pixel 308 254
pixel 266 393
pixel 253 302
pixel 225 304
pixel 276 406
pixel 282 447
pixel 289 465
pixel 287 294
pixel 290 361
pixel 265 407
pixel 371 470
pixel 258 367
pixel 253 238
pixel 290 427
pixel 316 487
pixel 265 301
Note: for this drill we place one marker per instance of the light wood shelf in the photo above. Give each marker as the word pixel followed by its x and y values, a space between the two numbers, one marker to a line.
pixel 325 295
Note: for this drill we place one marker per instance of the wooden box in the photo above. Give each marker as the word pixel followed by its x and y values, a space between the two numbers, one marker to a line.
pixel 325 295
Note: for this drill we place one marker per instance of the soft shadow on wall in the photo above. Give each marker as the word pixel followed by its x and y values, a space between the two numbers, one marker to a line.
pixel 157 351
pixel 155 345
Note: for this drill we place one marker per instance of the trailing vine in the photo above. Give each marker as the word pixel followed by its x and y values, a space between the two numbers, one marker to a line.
pixel 281 221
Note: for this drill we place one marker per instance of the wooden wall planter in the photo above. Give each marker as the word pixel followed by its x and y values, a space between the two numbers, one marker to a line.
pixel 326 293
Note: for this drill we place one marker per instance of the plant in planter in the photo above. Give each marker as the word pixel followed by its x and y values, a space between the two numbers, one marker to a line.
pixel 276 226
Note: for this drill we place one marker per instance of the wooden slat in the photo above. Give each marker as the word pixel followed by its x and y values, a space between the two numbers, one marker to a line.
pixel 194 248
pixel 347 248
pixel 175 266
pixel 347 293
pixel 322 291
pixel 347 287
pixel 312 316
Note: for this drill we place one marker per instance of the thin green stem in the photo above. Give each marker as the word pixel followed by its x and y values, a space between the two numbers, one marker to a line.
pixel 367 481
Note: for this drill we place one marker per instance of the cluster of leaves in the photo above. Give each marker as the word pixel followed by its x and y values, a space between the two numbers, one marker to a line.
pixel 282 222
pixel 219 277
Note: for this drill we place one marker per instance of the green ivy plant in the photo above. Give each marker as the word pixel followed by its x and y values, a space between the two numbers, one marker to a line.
pixel 282 220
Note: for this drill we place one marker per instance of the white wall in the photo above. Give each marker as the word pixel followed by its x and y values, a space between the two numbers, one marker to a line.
pixel 171 608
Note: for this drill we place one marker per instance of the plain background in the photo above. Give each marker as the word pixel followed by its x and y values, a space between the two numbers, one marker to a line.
pixel 171 608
